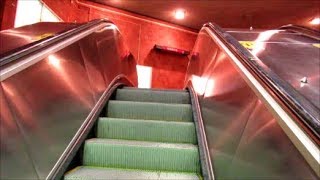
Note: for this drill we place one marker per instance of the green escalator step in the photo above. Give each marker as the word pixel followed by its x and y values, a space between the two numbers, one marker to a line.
pixel 156 89
pixel 98 173
pixel 147 130
pixel 145 95
pixel 147 110
pixel 141 155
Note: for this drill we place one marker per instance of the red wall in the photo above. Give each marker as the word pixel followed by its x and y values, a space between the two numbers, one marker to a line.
pixel 7 13
pixel 141 34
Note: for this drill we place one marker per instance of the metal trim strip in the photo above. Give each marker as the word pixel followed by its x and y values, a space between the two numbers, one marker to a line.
pixel 206 165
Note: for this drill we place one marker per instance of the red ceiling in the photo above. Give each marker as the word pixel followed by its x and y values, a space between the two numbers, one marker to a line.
pixel 226 13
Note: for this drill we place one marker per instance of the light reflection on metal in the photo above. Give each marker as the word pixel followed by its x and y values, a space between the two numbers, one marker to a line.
pixel 199 84
pixel 210 88
pixel 8 90
pixel 260 45
pixel 18 34
pixel 65 77
pixel 54 61
pixel 315 21
pixel 269 124
pixel 109 27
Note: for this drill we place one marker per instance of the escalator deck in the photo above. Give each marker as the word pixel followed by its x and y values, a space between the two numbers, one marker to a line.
pixel 146 134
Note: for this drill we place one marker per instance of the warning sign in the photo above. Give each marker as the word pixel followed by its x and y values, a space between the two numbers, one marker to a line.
pixel 42 36
pixel 316 45
pixel 247 44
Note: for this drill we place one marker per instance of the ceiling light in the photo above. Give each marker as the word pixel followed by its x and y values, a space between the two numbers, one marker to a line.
pixel 179 14
pixel 315 21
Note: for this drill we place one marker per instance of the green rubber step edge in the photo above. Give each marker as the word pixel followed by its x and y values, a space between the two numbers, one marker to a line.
pixel 147 110
pixel 153 96
pixel 141 155
pixel 99 173
pixel 147 130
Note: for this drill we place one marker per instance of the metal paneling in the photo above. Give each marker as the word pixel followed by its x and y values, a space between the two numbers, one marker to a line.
pixel 266 152
pixel 114 56
pixel 90 55
pixel 52 98
pixel 240 130
pixel 14 154
pixel 292 56
pixel 15 38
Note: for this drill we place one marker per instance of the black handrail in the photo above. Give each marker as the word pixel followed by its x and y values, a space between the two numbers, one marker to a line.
pixel 17 53
pixel 300 107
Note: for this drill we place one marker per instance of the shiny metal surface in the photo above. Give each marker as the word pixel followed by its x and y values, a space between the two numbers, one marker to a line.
pixel 291 56
pixel 12 39
pixel 52 98
pixel 34 53
pixel 205 160
pixel 266 152
pixel 14 155
pixel 245 141
pixel 313 33
pixel 297 116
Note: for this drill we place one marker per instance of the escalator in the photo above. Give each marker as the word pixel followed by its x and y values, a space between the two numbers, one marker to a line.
pixel 71 109
pixel 145 134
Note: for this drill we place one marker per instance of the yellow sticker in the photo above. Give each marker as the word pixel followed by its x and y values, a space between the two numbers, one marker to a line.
pixel 42 36
pixel 247 44
pixel 316 45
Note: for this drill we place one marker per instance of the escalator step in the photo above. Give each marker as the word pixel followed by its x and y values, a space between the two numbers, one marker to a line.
pixel 152 111
pixel 98 173
pixel 141 155
pixel 156 89
pixel 147 130
pixel 147 95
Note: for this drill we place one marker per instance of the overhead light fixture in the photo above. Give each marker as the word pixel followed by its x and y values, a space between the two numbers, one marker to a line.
pixel 315 21
pixel 179 14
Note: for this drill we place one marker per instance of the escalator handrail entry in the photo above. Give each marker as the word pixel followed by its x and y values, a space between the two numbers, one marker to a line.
pixel 25 50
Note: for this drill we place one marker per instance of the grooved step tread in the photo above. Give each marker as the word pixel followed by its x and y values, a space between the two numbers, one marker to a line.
pixel 98 173
pixel 144 95
pixel 156 89
pixel 141 155
pixel 149 110
pixel 147 130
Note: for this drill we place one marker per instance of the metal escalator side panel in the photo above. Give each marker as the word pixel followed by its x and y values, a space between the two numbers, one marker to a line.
pixel 14 153
pixel 233 109
pixel 300 108
pixel 53 90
